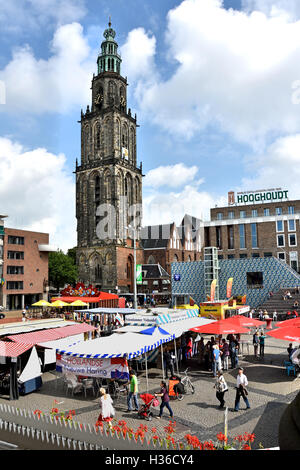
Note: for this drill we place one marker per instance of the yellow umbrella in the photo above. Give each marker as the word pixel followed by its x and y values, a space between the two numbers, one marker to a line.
pixel 41 303
pixel 78 303
pixel 59 303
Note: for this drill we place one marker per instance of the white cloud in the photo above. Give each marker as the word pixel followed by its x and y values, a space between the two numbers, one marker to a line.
pixel 279 166
pixel 37 193
pixel 172 176
pixel 161 207
pixel 290 8
pixel 235 71
pixel 54 85
pixel 137 54
pixel 22 16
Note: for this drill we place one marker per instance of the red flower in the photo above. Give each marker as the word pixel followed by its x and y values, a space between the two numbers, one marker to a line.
pixel 153 430
pixel 54 410
pixel 246 447
pixel 221 437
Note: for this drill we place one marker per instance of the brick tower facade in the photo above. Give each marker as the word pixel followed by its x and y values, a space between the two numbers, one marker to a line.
pixel 108 180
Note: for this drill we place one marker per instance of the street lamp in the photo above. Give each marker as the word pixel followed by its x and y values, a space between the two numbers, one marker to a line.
pixel 134 229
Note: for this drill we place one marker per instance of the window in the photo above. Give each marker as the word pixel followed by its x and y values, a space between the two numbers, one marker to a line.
pixel 220 216
pixel 294 260
pixel 242 214
pixel 15 255
pixel 15 240
pixel 231 215
pixel 278 211
pixel 243 256
pixel 255 280
pixel 268 255
pixel 279 226
pixel 255 255
pixel 281 256
pixel 220 257
pixel 231 257
pixel 254 213
pixel 14 285
pixel 280 240
pixel 219 237
pixel 230 234
pixel 292 239
pixel 292 225
pixel 291 210
pixel 266 212
pixel 242 237
pixel 254 235
pixel 15 269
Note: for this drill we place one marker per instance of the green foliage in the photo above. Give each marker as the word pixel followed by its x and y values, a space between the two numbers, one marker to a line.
pixel 62 269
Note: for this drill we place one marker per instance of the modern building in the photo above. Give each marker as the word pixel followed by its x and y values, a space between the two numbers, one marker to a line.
pixel 108 179
pixel 258 224
pixel 2 217
pixel 25 267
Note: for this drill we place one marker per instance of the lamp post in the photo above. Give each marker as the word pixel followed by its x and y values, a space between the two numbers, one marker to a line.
pixel 134 230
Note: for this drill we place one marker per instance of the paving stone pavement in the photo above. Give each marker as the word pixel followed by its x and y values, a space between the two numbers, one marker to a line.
pixel 270 391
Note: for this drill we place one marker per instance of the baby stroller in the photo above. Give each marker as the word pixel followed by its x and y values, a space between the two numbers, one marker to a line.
pixel 176 388
pixel 145 410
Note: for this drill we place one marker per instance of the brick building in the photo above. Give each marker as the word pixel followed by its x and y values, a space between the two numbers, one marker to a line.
pixel 261 229
pixel 25 267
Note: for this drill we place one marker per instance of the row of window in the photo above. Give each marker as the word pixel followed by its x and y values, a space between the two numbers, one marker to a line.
pixel 15 255
pixel 280 255
pixel 14 285
pixel 12 240
pixel 15 270
pixel 254 213
pixel 292 239
pixel 291 225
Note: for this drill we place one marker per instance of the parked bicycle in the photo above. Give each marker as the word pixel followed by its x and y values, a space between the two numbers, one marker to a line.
pixel 182 388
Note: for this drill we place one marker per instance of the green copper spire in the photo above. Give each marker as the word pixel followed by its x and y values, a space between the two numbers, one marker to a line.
pixel 109 60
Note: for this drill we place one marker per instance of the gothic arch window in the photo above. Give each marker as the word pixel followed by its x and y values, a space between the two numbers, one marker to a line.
pixel 107 185
pixel 151 260
pixel 125 135
pixel 97 196
pixel 129 189
pixel 97 136
pixel 136 191
pixel 108 137
pixel 122 97
pixel 118 134
pixel 132 144
pixel 175 258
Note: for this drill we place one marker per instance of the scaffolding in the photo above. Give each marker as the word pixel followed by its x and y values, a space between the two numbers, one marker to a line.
pixel 211 270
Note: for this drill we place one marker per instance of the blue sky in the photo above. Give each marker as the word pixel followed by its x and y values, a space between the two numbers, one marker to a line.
pixel 211 82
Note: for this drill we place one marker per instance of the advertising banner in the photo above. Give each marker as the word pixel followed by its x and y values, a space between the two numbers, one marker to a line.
pixel 213 290
pixel 113 368
pixel 139 274
pixel 229 287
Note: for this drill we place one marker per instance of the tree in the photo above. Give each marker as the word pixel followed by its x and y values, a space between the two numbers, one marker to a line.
pixel 62 269
pixel 72 254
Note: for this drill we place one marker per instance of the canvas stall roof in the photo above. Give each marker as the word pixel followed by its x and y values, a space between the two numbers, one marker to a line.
pixel 123 311
pixel 11 349
pixel 116 345
pixel 28 327
pixel 51 335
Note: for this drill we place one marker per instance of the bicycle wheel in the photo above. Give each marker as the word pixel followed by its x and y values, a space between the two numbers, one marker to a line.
pixel 179 396
pixel 190 387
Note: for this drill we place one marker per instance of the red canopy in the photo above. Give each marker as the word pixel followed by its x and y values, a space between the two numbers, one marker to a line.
pixel 290 333
pixel 290 322
pixel 87 300
pixel 222 327
pixel 244 321
pixel 51 334
pixel 13 349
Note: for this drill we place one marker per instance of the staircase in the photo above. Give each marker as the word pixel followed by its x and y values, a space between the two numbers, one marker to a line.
pixel 281 306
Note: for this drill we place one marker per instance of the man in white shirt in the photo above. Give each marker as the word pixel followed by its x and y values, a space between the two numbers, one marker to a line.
pixel 241 391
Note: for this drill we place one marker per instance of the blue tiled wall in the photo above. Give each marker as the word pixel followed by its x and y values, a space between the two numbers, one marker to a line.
pixel 276 275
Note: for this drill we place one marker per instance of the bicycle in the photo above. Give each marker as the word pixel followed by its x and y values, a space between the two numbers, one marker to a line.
pixel 187 384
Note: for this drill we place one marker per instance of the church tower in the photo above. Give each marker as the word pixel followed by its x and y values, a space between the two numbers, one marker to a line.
pixel 108 180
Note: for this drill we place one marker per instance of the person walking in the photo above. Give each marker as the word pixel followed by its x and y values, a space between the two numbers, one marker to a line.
pixel 233 353
pixel 221 388
pixel 262 345
pixel 165 400
pixel 133 391
pixel 241 390
pixel 189 348
pixel 255 343
pixel 274 316
pixel 106 406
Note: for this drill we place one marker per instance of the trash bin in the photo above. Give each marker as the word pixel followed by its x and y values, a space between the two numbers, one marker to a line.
pixel 269 323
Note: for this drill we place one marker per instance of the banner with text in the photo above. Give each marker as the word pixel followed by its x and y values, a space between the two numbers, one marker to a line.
pixel 113 368
pixel 229 287
pixel 213 290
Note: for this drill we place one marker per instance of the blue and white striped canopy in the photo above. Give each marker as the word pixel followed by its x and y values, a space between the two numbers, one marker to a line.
pixel 128 345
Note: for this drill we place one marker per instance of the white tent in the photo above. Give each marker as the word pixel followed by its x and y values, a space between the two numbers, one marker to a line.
pixel 52 346
pixel 32 368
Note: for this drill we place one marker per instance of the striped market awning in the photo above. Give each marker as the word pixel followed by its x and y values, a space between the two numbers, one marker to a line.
pixel 11 349
pixel 37 337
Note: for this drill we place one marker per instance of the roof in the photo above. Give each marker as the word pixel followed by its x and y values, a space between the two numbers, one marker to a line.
pixel 33 325
pixel 88 300
pixel 154 271
pixel 38 337
pixel 10 349
pixel 124 311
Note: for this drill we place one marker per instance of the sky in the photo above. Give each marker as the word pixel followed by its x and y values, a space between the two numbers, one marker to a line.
pixel 215 85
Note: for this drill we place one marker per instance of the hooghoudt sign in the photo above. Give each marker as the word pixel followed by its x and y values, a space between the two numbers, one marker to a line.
pixel 113 368
pixel 252 197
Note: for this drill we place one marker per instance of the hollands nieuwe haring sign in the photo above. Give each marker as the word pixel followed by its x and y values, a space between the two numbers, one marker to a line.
pixel 252 197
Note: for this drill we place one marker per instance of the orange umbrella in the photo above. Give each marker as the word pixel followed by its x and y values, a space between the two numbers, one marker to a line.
pixel 222 327
pixel 290 333
pixel 244 321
